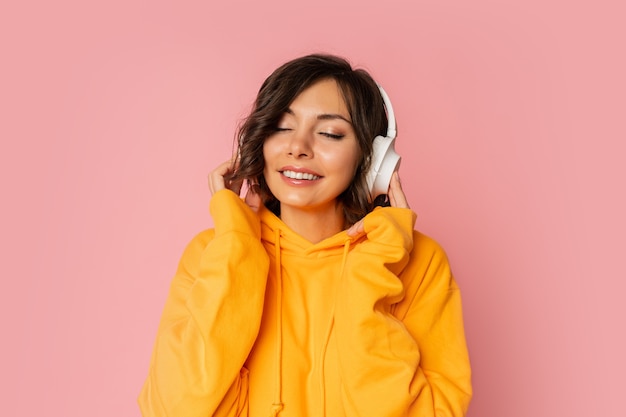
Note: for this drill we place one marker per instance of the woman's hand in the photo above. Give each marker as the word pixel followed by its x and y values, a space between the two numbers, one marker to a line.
pixel 218 181
pixel 395 193
pixel 396 199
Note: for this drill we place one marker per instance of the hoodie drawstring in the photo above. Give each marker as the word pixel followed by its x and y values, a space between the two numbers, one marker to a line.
pixel 278 405
pixel 344 258
pixel 346 249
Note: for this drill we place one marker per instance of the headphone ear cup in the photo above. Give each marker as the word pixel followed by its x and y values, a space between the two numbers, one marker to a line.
pixel 384 162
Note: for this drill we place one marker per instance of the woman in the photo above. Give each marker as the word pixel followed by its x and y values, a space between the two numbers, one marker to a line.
pixel 304 300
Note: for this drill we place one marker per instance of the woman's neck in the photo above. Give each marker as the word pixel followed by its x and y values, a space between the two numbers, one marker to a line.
pixel 314 225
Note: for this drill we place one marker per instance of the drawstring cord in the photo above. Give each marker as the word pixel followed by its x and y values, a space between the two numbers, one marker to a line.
pixel 344 258
pixel 278 405
pixel 346 249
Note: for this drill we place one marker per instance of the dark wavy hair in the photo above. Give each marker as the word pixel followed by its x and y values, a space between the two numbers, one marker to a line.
pixel 365 106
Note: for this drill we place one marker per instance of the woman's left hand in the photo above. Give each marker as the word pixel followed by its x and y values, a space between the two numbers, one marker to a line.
pixel 396 199
pixel 395 193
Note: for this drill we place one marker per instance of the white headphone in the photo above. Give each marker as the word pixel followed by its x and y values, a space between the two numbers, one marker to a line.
pixel 385 160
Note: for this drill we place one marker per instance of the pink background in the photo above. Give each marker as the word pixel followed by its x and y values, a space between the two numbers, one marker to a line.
pixel 512 127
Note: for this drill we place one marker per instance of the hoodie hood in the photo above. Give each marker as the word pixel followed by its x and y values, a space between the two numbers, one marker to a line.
pixel 291 243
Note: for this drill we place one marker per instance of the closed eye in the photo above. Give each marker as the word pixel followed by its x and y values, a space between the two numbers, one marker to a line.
pixel 331 135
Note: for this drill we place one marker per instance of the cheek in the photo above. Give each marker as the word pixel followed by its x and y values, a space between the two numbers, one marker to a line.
pixel 349 165
pixel 347 155
pixel 354 160
pixel 267 157
pixel 271 148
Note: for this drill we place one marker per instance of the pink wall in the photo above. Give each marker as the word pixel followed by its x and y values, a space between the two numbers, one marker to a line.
pixel 511 120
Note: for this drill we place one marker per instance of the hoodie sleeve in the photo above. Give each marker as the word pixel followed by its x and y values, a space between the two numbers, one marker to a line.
pixel 399 329
pixel 210 320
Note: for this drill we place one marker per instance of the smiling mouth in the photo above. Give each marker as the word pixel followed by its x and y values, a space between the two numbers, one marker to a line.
pixel 300 175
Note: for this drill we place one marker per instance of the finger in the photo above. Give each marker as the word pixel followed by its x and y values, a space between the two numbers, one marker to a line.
pixel 397 198
pixel 234 185
pixel 356 229
pixel 216 177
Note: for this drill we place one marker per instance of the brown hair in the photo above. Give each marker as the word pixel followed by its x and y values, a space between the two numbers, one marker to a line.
pixel 365 106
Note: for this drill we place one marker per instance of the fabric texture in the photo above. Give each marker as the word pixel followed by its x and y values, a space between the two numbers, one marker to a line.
pixel 261 322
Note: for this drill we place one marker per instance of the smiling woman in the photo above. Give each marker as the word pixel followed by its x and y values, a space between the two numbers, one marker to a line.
pixel 364 110
pixel 306 299
pixel 311 159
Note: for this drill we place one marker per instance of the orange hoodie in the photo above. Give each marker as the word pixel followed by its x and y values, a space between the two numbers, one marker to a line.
pixel 261 322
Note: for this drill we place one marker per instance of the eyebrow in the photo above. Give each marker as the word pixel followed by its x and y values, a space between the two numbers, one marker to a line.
pixel 324 116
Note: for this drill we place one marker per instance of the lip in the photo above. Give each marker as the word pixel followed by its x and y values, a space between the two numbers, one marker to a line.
pixel 299 169
pixel 299 182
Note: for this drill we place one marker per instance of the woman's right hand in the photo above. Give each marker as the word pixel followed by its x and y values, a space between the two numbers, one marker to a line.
pixel 218 181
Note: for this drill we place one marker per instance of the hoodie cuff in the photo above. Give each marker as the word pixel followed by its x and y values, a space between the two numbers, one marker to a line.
pixel 391 226
pixel 231 214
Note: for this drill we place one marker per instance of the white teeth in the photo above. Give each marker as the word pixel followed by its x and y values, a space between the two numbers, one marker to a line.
pixel 300 175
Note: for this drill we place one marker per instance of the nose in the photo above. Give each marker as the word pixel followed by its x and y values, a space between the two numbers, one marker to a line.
pixel 301 144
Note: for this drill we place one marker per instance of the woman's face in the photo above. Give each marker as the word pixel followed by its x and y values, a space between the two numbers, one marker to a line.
pixel 313 155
